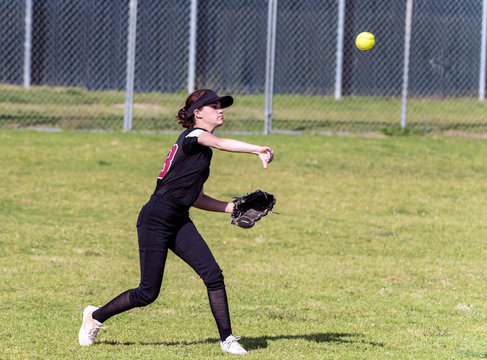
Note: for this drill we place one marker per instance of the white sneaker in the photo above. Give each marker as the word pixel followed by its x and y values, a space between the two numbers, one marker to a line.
pixel 89 328
pixel 231 345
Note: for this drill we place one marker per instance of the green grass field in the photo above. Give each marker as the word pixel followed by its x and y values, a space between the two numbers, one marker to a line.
pixel 379 250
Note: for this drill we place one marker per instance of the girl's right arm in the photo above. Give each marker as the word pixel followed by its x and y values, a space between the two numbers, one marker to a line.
pixel 264 152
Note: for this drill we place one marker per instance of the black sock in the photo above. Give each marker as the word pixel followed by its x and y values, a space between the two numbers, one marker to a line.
pixel 118 305
pixel 219 308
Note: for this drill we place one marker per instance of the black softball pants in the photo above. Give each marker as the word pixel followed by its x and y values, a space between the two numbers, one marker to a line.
pixel 163 226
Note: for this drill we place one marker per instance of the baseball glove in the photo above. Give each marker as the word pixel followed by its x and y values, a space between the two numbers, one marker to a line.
pixel 251 207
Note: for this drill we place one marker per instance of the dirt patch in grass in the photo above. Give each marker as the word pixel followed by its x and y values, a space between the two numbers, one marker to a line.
pixel 141 106
pixel 466 134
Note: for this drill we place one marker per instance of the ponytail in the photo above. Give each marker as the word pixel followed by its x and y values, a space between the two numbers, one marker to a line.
pixel 183 119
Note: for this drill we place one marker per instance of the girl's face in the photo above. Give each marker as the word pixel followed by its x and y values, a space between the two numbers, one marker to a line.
pixel 209 116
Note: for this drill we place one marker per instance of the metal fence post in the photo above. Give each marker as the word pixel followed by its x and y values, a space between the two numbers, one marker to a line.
pixel 339 55
pixel 28 42
pixel 407 46
pixel 483 49
pixel 129 91
pixel 269 69
pixel 192 45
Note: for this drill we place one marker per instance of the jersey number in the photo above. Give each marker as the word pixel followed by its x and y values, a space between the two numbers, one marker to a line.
pixel 168 161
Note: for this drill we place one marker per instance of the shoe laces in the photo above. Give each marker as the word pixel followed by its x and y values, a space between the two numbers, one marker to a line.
pixel 234 338
pixel 231 340
pixel 93 328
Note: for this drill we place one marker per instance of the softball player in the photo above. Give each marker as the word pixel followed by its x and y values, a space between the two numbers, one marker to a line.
pixel 164 222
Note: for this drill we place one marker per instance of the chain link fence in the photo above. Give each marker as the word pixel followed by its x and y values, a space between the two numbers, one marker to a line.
pixel 64 63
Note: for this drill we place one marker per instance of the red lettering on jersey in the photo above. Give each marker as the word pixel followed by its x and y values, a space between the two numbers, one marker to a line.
pixel 168 161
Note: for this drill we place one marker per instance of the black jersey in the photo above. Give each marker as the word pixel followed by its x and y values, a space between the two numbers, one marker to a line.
pixel 185 170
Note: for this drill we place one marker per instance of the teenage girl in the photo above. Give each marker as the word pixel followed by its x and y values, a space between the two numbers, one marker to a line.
pixel 164 224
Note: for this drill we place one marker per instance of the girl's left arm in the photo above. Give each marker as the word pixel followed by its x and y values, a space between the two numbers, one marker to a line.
pixel 205 202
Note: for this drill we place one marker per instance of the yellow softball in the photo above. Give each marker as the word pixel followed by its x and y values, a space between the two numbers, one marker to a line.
pixel 365 41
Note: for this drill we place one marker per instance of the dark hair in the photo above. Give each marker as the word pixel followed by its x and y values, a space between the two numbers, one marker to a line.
pixel 183 119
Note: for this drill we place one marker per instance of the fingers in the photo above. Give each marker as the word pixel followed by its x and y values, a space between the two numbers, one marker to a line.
pixel 270 154
pixel 266 155
pixel 264 160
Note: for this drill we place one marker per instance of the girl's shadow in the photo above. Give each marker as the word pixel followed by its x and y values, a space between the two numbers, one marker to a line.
pixel 253 343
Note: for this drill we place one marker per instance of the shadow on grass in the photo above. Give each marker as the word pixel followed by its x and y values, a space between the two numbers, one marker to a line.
pixel 253 343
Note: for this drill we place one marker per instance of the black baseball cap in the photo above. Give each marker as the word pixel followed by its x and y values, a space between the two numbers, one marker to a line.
pixel 210 97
